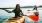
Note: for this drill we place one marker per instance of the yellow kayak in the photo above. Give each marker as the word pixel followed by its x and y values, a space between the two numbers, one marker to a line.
pixel 15 20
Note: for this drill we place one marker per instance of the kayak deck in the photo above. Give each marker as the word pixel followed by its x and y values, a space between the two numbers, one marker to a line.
pixel 15 20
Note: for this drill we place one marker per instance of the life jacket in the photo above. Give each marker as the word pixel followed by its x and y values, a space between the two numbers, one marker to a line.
pixel 36 12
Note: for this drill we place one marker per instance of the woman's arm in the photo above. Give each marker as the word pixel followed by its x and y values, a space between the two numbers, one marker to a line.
pixel 21 13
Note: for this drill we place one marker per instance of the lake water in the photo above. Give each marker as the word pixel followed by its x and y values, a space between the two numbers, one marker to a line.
pixel 4 15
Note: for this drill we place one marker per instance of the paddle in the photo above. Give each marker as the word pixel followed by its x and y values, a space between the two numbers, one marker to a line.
pixel 6 8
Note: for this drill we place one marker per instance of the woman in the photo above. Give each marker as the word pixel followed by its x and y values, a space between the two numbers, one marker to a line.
pixel 17 11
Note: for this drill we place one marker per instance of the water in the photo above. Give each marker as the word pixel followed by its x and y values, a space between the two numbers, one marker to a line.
pixel 4 15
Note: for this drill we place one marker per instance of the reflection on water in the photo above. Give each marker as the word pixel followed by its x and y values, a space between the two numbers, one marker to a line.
pixel 4 15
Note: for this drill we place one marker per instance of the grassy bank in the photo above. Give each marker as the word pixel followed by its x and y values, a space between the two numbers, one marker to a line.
pixel 26 7
pixel 30 7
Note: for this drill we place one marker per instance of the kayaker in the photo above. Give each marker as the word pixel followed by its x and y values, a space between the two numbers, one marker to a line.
pixel 36 14
pixel 17 11
pixel 36 11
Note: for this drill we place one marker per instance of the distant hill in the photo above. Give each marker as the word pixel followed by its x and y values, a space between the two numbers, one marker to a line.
pixel 40 6
pixel 30 6
pixel 27 7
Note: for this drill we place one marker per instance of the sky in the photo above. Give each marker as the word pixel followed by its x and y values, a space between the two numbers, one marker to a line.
pixel 12 3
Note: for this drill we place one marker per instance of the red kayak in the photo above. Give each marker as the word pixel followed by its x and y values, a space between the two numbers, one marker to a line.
pixel 33 17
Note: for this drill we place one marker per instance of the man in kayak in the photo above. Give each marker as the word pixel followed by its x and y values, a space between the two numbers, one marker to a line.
pixel 17 11
pixel 36 13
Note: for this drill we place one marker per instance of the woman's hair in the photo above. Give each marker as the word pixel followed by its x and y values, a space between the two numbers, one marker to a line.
pixel 16 6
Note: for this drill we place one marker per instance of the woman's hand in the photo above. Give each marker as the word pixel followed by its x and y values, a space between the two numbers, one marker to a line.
pixel 21 14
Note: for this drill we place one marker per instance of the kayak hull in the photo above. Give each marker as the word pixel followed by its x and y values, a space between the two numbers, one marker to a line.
pixel 33 18
pixel 15 20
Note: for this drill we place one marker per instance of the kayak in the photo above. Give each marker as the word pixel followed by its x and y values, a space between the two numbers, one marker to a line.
pixel 15 20
pixel 32 17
